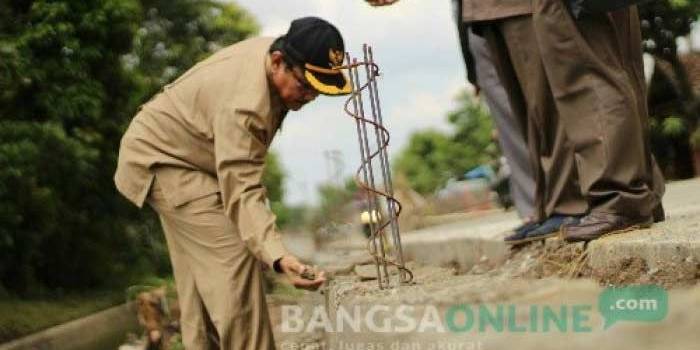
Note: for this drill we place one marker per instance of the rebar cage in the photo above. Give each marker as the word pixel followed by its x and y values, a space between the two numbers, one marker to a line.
pixel 373 176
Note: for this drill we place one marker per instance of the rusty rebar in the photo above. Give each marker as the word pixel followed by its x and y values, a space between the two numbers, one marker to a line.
pixel 365 174
pixel 384 159
pixel 363 167
pixel 374 207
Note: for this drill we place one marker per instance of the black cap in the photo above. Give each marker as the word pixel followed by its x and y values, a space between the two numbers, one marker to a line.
pixel 317 46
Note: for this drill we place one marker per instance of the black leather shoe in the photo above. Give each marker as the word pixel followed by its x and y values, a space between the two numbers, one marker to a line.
pixel 519 234
pixel 596 225
pixel 551 227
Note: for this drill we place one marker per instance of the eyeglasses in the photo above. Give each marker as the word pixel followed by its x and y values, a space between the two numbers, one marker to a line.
pixel 302 83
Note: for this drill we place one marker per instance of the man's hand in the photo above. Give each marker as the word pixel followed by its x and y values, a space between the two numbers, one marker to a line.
pixel 381 2
pixel 291 267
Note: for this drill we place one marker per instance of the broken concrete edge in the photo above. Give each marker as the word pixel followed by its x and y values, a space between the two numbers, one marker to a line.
pixel 656 255
pixel 429 221
pixel 463 253
pixel 674 260
pixel 377 310
pixel 653 257
pixel 105 328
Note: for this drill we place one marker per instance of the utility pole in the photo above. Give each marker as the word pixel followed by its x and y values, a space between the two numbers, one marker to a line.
pixel 334 166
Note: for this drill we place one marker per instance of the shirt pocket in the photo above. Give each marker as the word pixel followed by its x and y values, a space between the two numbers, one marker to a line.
pixel 259 129
pixel 181 186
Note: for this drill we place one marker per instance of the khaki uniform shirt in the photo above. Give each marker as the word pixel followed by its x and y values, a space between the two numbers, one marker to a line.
pixel 488 10
pixel 207 132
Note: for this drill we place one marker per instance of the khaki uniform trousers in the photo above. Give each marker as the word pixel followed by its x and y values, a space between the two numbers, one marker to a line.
pixel 581 85
pixel 219 282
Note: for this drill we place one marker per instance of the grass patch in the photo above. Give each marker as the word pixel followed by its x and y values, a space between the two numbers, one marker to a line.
pixel 286 290
pixel 279 290
pixel 23 316
pixel 20 317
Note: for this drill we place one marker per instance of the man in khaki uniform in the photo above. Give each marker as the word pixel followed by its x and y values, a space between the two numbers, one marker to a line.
pixel 196 154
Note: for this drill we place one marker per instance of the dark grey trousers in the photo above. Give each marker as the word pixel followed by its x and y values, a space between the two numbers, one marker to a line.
pixel 582 87
pixel 510 126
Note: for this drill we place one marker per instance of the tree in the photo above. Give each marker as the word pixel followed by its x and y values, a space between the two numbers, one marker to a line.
pixel 671 130
pixel 432 157
pixel 662 23
pixel 175 34
pixel 274 179
pixel 71 76
pixel 334 207
pixel 426 160
pixel 62 81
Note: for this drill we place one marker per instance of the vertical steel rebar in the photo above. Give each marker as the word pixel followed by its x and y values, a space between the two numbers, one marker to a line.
pixel 355 92
pixel 368 182
pixel 383 156
pixel 391 203
pixel 372 183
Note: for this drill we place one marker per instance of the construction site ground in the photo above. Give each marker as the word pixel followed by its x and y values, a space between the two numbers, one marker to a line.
pixel 462 268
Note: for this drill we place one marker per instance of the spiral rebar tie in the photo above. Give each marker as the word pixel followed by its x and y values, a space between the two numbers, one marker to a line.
pixel 376 184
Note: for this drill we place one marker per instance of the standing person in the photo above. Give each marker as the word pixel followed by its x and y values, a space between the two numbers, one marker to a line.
pixel 588 183
pixel 581 85
pixel 196 154
pixel 510 124
pixel 482 74
pixel 556 197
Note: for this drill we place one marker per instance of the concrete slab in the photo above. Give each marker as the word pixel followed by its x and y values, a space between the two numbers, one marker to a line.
pixel 682 199
pixel 422 316
pixel 468 242
pixel 366 272
pixel 405 317
pixel 463 243
pixel 669 251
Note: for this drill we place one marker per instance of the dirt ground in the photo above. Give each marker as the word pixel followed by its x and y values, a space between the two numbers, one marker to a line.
pixel 535 273
pixel 558 259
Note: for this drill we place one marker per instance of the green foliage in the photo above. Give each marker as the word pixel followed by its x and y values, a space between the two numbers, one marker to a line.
pixel 432 157
pixel 72 74
pixel 60 57
pixel 176 342
pixel 291 217
pixel 426 162
pixel 673 126
pixel 664 21
pixel 175 34
pixel 695 139
pixel 62 225
pixel 274 180
pixel 20 317
pixel 334 199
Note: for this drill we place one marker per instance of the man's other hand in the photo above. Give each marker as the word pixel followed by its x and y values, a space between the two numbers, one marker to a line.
pixel 291 267
pixel 381 2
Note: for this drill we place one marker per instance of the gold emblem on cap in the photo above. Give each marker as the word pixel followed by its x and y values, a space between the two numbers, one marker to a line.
pixel 336 57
